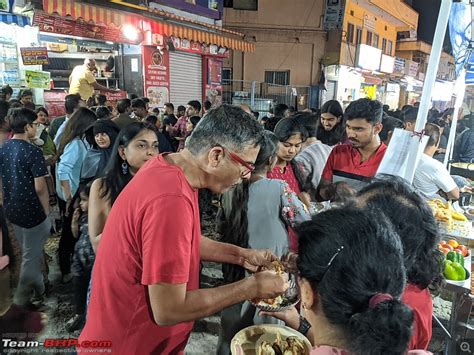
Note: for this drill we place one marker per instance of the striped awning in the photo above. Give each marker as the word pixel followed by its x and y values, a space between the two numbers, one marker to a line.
pixel 107 17
pixel 192 34
pixel 90 13
pixel 16 19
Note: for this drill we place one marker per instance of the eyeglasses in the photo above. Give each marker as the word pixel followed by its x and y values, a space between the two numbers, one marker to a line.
pixel 249 167
pixel 36 124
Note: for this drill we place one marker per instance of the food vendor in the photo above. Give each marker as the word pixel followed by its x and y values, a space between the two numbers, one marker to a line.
pixel 82 80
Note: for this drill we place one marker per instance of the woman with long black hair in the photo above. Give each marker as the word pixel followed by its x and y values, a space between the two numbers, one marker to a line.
pixel 135 145
pixel 72 150
pixel 261 211
pixel 418 231
pixel 291 134
pixel 353 303
pixel 331 128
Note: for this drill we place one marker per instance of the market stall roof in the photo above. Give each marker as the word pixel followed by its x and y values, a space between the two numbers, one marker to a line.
pixel 90 13
pixel 16 19
pixel 109 17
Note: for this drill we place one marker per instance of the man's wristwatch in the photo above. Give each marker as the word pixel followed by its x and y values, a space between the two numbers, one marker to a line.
pixel 304 325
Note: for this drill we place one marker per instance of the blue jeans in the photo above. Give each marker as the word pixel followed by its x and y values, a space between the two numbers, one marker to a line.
pixel 31 241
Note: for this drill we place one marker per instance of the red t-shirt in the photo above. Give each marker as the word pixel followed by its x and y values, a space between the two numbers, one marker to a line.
pixel 422 305
pixel 344 163
pixel 145 242
pixel 289 176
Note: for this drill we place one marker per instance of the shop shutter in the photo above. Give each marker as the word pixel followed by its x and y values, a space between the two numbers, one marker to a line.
pixel 185 78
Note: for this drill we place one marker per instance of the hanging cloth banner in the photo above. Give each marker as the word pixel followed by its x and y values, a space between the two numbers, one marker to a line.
pixel 460 33
pixel 470 70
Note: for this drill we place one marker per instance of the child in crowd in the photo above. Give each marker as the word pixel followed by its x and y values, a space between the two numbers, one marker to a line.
pixel 83 258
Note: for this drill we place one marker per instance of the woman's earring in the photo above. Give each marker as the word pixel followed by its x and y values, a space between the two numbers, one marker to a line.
pixel 124 168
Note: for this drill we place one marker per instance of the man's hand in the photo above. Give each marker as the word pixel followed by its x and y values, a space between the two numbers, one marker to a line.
pixel 252 259
pixel 269 284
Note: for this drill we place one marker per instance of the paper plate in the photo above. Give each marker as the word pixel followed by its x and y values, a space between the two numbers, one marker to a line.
pixel 246 341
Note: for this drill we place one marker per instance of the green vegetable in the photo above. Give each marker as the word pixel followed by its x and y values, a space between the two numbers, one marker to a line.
pixel 455 257
pixel 454 271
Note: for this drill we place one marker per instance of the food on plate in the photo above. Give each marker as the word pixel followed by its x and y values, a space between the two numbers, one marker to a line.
pixel 279 301
pixel 458 216
pixel 444 212
pixel 454 271
pixel 290 346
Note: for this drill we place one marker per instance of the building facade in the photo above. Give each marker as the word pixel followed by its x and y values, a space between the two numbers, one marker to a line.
pixel 289 44
pixel 360 58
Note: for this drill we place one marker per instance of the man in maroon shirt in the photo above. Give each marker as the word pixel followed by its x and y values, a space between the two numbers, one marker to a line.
pixel 351 166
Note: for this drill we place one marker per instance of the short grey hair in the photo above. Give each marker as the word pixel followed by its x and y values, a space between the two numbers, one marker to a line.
pixel 226 125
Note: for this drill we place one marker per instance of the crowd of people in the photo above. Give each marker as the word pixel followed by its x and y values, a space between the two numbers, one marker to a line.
pixel 129 182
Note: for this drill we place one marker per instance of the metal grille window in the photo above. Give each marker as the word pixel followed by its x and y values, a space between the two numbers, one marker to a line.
pixel 359 36
pixel 350 33
pixel 226 74
pixel 376 40
pixel 389 47
pixel 384 45
pixel 277 77
pixel 368 39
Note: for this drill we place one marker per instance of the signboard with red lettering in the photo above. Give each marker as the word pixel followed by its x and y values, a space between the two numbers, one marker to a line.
pixel 115 96
pixel 34 55
pixel 156 75
pixel 79 28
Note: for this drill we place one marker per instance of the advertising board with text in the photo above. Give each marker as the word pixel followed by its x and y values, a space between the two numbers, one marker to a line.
pixel 156 75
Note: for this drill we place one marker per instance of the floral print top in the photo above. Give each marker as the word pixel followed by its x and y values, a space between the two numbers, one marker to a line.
pixel 272 208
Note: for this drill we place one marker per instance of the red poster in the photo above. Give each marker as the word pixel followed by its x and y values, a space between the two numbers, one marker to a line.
pixel 115 96
pixel 156 75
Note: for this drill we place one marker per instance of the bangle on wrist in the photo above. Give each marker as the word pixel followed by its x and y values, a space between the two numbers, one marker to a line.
pixel 304 326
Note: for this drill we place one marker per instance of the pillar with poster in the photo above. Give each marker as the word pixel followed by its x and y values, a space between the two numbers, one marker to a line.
pixel 213 83
pixel 156 75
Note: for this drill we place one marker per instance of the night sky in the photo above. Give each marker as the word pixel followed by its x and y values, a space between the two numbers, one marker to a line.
pixel 428 14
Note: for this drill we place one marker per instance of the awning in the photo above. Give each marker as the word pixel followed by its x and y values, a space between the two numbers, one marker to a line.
pixel 16 19
pixel 90 13
pixel 192 34
pixel 107 17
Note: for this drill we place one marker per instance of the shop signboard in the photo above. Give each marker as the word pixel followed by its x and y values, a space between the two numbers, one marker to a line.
pixel 334 14
pixel 115 96
pixel 61 25
pixel 214 81
pixel 156 75
pixel 399 66
pixel 411 68
pixel 387 63
pixel 54 101
pixel 207 8
pixel 369 22
pixel 199 48
pixel 34 55
pixel 38 79
pixel 368 57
